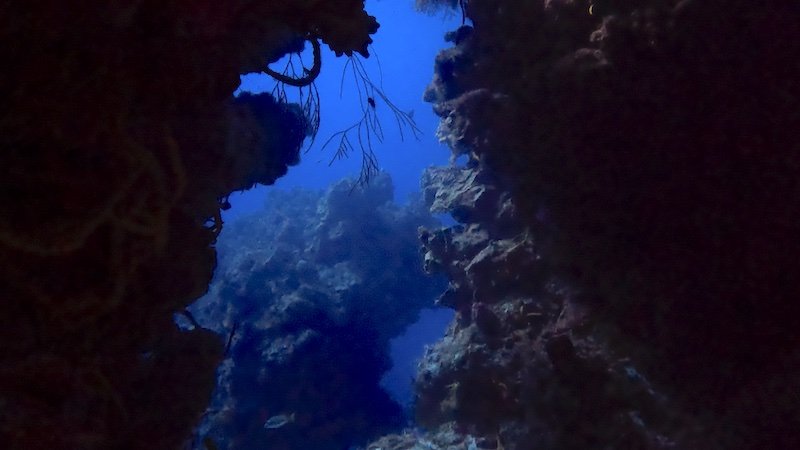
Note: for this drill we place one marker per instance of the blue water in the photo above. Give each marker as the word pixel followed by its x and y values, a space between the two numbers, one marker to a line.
pixel 402 64
pixel 406 350
pixel 406 45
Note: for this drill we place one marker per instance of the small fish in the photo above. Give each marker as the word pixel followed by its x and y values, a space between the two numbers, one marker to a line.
pixel 278 421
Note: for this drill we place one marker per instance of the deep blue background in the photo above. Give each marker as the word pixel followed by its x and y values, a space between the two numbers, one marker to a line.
pixel 406 45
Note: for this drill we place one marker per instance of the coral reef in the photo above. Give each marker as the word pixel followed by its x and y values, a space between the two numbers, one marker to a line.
pixel 120 139
pixel 525 364
pixel 647 295
pixel 316 284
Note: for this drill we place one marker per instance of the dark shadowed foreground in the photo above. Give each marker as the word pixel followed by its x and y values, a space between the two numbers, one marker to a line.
pixel 625 271
pixel 120 140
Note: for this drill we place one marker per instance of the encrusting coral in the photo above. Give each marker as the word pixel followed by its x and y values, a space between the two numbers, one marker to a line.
pixel 651 149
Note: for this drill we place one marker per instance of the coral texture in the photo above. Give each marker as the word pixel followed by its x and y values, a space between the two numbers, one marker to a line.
pixel 649 150
pixel 315 286
pixel 525 363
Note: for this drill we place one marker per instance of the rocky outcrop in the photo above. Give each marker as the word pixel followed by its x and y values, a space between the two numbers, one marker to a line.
pixel 119 141
pixel 526 364
pixel 315 286
pixel 649 164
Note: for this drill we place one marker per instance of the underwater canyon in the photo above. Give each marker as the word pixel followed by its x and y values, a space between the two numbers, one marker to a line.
pixel 623 270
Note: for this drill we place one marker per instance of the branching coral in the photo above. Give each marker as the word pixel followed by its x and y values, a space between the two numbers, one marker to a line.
pixel 323 22
pixel 368 127
pixel 366 131
pixel 307 90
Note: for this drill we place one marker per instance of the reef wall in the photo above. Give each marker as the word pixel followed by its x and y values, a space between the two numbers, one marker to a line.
pixel 313 287
pixel 120 140
pixel 624 271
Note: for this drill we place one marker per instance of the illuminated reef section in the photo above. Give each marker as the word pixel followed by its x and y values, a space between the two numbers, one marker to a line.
pixel 120 141
pixel 314 286
pixel 625 270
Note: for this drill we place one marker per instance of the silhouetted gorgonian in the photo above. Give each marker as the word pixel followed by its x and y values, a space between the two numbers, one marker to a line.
pixel 303 79
pixel 368 126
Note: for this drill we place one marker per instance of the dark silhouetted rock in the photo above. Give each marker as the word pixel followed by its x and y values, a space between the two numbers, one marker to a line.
pixel 120 139
pixel 648 152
